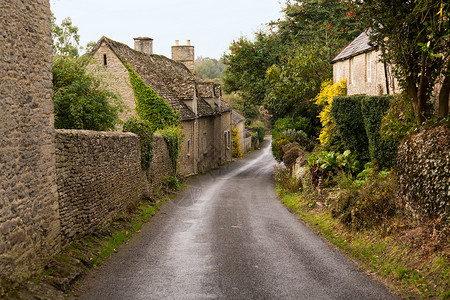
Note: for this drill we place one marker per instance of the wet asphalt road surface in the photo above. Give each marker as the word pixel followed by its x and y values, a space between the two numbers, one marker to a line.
pixel 227 236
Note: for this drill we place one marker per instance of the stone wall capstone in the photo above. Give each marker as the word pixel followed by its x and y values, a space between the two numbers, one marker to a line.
pixel 29 221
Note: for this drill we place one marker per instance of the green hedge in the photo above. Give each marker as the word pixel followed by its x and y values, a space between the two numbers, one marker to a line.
pixel 383 152
pixel 346 112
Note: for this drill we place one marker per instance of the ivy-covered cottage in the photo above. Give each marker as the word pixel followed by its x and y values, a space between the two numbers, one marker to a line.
pixel 360 64
pixel 206 117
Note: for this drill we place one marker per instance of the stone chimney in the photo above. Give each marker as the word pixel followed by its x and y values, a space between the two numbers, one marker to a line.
pixel 184 54
pixel 144 45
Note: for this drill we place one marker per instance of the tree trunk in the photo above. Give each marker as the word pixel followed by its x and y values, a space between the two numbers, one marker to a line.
pixel 444 94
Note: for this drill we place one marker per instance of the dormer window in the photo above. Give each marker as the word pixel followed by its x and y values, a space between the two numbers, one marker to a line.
pixel 105 61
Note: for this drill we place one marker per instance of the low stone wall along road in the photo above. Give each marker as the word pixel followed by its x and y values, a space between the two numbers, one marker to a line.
pixel 227 236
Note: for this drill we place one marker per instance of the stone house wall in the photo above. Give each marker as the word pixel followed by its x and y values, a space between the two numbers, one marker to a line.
pixel 365 74
pixel 29 217
pixel 116 76
pixel 226 144
pixel 206 144
pixel 241 127
pixel 189 151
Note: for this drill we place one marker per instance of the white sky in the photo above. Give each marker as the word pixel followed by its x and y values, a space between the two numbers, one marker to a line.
pixel 211 25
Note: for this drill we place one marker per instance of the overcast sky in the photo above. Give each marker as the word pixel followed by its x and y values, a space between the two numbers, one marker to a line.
pixel 211 25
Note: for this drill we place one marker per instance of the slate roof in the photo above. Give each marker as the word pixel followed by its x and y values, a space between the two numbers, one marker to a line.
pixel 236 117
pixel 359 45
pixel 247 134
pixel 170 79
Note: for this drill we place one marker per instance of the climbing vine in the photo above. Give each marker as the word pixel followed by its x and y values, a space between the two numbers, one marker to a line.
pixel 236 144
pixel 160 115
pixel 143 129
pixel 149 105
pixel 173 137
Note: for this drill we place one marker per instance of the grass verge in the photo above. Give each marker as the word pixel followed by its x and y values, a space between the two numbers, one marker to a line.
pixel 402 266
pixel 67 268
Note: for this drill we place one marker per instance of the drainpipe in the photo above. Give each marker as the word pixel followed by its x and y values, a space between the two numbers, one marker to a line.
pixel 386 77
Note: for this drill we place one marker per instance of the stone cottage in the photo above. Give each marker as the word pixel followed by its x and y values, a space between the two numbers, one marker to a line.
pixel 206 117
pixel 360 64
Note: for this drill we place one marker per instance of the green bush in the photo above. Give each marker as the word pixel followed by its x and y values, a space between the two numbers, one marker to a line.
pixel 277 146
pixel 423 166
pixel 143 129
pixel 81 100
pixel 173 136
pixel 325 164
pixel 346 112
pixel 285 181
pixel 260 129
pixel 383 152
pixel 370 205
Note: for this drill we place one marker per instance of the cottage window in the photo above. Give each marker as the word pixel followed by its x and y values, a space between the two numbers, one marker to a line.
pixel 189 147
pixel 105 61
pixel 369 67
pixel 229 140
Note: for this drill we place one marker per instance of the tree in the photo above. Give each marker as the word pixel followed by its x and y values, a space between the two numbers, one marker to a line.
pixel 65 37
pixel 208 68
pixel 283 67
pixel 414 37
pixel 81 100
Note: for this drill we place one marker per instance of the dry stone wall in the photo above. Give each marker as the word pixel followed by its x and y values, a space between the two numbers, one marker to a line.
pixel 99 176
pixel 161 165
pixel 29 223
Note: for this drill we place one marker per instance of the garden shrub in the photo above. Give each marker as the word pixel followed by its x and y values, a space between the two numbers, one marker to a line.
pixel 325 99
pixel 237 153
pixel 423 166
pixel 285 181
pixel 383 152
pixel 365 206
pixel 346 112
pixel 260 129
pixel 143 129
pixel 291 153
pixel 399 118
pixel 277 146
pixel 326 164
pixel 301 138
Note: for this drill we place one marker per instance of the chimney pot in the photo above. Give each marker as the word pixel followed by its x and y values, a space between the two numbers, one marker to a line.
pixel 188 42
pixel 177 43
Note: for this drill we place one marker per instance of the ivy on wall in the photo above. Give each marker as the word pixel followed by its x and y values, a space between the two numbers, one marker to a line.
pixel 149 105
pixel 173 137
pixel 153 109
pixel 143 129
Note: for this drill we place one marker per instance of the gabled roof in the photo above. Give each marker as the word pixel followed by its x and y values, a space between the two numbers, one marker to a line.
pixel 359 45
pixel 236 117
pixel 170 79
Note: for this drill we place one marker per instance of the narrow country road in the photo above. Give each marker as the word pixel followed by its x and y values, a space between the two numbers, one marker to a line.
pixel 227 236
